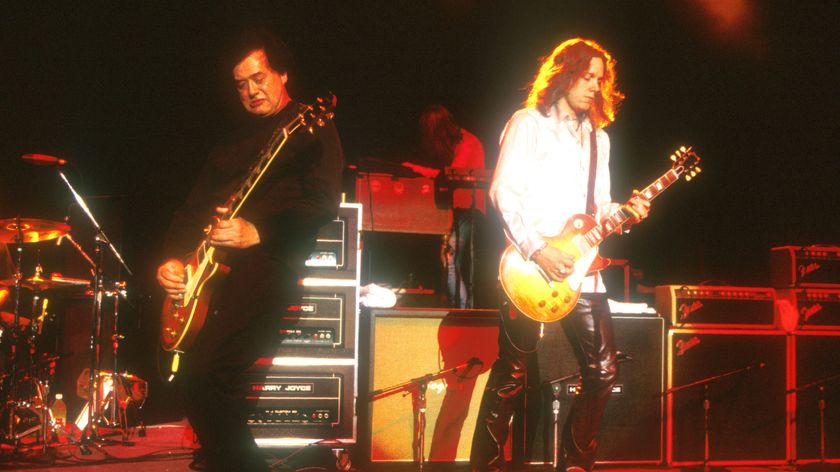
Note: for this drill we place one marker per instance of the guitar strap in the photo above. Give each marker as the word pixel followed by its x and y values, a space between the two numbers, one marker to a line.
pixel 591 210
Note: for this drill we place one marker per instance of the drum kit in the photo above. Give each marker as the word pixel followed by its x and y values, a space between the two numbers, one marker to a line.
pixel 32 416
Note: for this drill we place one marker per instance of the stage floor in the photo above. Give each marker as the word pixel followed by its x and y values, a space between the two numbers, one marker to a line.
pixel 168 448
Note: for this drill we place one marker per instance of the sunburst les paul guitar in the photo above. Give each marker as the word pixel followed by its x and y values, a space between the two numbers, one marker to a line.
pixel 181 320
pixel 533 292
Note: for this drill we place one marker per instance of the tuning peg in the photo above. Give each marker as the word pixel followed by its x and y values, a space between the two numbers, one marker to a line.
pixel 683 149
pixel 698 170
pixel 673 158
pixel 688 178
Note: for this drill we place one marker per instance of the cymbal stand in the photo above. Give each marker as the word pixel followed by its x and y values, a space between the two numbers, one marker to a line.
pixel 707 403
pixel 12 392
pixel 91 434
pixel 42 387
pixel 419 386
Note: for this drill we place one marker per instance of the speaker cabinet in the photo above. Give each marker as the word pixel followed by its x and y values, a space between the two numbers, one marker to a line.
pixel 817 360
pixel 406 344
pixel 632 428
pixel 747 404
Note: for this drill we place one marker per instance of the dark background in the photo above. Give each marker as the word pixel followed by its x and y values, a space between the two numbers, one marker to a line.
pixel 132 94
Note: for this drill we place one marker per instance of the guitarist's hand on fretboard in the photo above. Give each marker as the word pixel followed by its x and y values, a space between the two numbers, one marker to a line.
pixel 170 276
pixel 235 233
pixel 554 262
pixel 638 206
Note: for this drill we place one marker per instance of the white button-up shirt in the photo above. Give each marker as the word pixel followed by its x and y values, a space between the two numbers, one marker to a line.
pixel 542 175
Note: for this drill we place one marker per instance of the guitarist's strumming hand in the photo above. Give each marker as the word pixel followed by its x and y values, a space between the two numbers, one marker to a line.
pixel 555 263
pixel 170 276
pixel 235 232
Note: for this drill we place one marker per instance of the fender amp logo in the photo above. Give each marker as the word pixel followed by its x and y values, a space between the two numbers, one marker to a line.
pixel 684 345
pixel 282 387
pixel 686 309
pixel 806 312
pixel 807 269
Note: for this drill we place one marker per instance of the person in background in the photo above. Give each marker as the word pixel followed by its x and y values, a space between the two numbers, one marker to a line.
pixel 447 145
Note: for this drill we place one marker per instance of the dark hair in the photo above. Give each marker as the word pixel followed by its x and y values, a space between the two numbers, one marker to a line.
pixel 568 62
pixel 278 54
pixel 439 134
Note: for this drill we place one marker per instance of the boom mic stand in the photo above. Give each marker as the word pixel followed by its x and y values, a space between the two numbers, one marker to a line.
pixel 820 385
pixel 419 403
pixel 90 434
pixel 556 386
pixel 707 403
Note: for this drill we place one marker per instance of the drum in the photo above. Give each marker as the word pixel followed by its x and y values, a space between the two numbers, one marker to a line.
pixel 131 393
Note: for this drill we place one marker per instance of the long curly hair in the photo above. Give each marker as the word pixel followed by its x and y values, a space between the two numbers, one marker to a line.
pixel 568 62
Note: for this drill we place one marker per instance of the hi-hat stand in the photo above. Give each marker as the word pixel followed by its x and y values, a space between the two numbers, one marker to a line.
pixel 417 387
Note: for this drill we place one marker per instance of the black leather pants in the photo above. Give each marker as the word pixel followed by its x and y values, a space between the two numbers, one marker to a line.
pixel 590 331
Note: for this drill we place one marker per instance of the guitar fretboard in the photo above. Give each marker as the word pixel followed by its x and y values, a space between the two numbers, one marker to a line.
pixel 596 235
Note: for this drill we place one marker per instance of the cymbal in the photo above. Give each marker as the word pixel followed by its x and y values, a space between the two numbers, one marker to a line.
pixel 40 284
pixel 33 230
pixel 8 319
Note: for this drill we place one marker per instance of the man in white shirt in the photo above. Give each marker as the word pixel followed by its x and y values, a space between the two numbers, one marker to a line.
pixel 545 174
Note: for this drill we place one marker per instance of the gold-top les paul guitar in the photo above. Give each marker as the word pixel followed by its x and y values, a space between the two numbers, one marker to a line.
pixel 532 291
pixel 181 320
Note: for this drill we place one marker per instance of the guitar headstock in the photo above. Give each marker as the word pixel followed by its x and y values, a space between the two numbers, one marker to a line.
pixel 317 114
pixel 686 162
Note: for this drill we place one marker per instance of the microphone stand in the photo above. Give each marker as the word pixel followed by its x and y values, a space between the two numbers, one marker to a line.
pixel 820 384
pixel 557 391
pixel 707 403
pixel 90 434
pixel 419 404
pixel 556 386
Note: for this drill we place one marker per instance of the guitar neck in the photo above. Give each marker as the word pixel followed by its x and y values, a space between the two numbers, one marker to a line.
pixel 266 157
pixel 611 224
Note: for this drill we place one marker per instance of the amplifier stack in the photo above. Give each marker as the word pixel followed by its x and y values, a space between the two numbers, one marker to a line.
pixel 808 283
pixel 306 392
pixel 752 372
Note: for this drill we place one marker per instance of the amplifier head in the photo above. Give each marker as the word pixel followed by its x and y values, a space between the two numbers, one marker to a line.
pixel 805 266
pixel 699 306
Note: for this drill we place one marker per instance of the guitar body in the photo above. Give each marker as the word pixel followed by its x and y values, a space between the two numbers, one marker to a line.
pixel 528 288
pixel 180 323
pixel 541 299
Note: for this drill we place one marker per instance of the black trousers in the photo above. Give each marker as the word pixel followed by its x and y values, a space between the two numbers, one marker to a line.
pixel 590 332
pixel 240 327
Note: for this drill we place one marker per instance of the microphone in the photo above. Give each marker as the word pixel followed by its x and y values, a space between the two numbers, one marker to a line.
pixel 43 160
pixel 474 361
